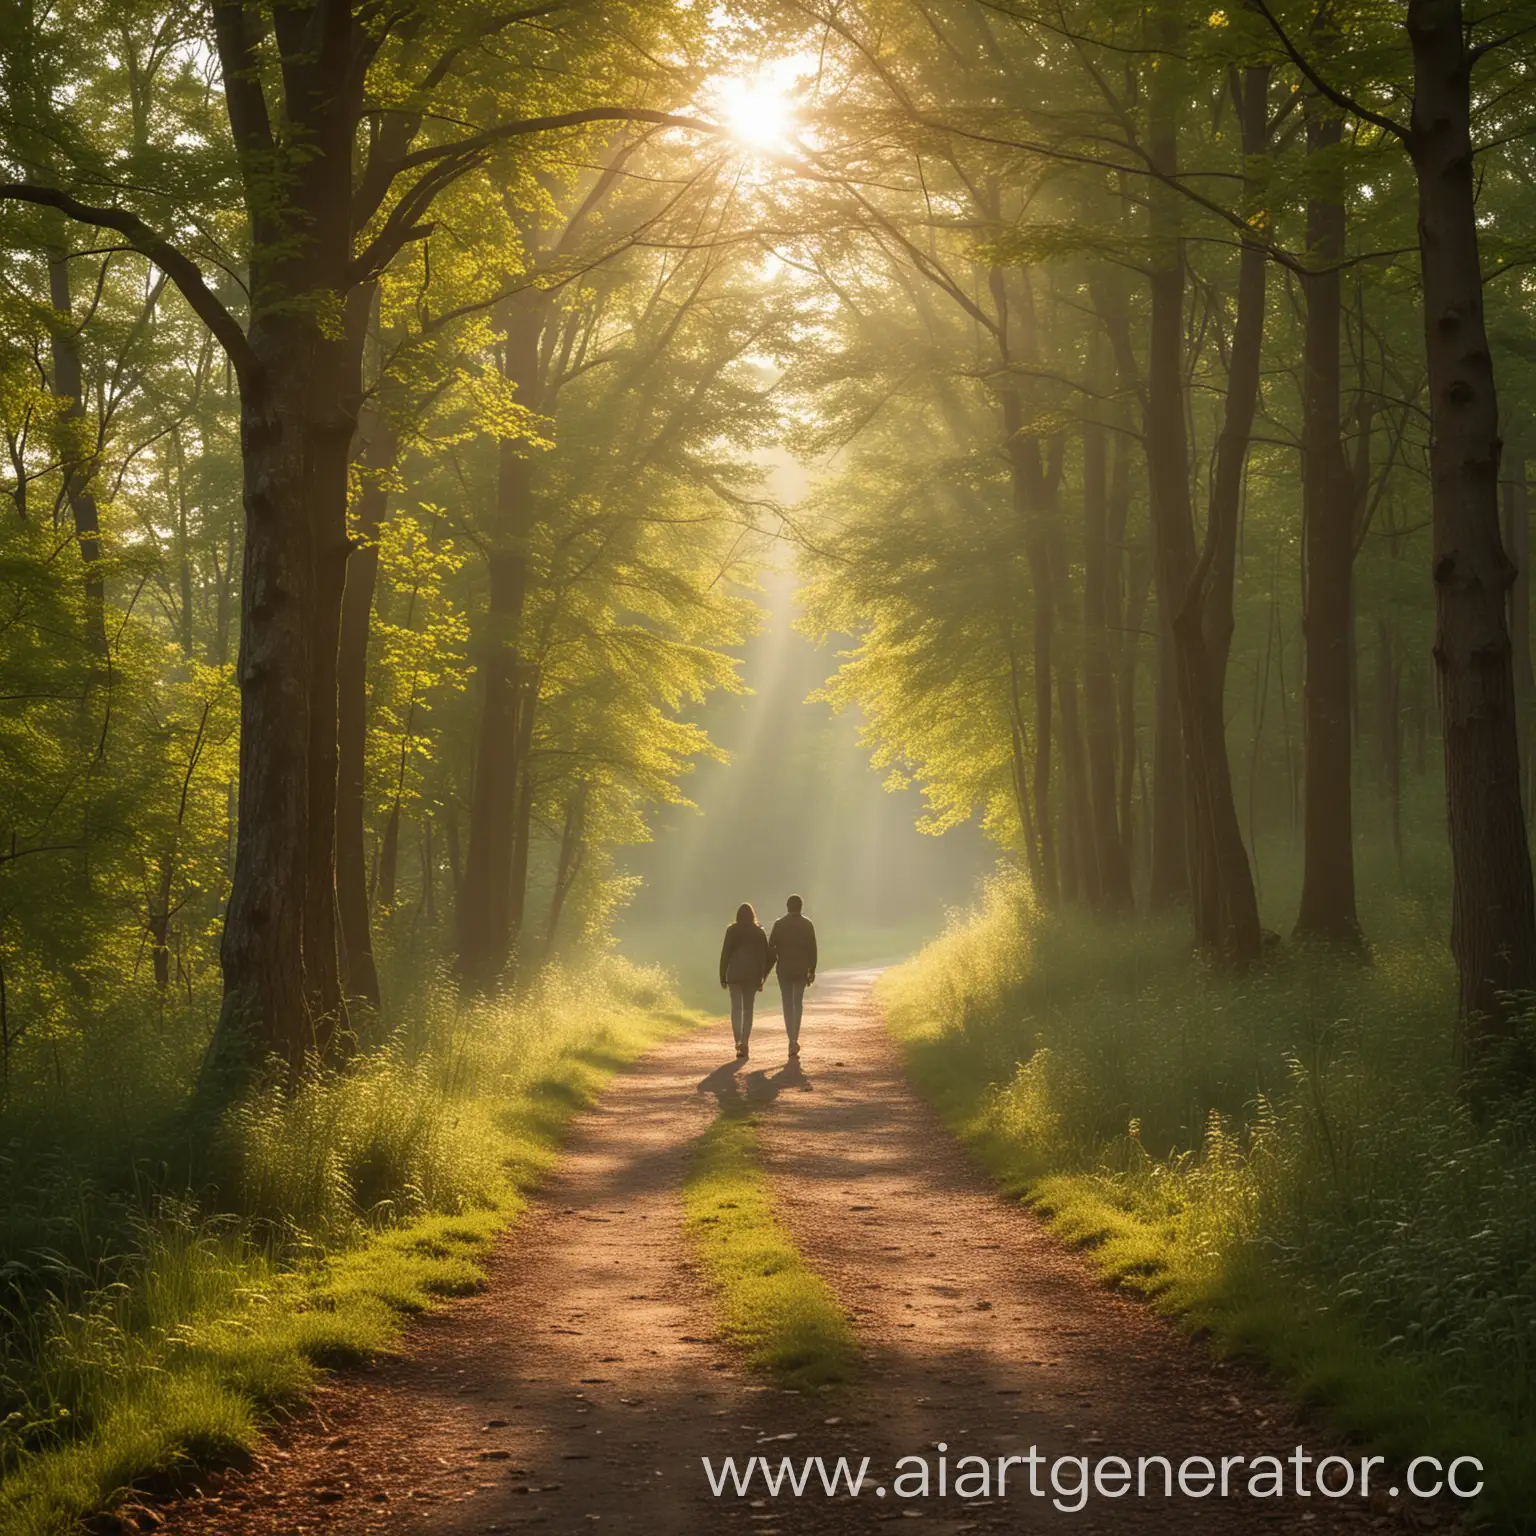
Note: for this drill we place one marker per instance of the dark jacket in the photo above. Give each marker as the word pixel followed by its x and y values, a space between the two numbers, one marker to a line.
pixel 793 943
pixel 745 956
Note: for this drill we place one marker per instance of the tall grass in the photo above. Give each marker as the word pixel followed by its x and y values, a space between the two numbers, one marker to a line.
pixel 1285 1156
pixel 165 1291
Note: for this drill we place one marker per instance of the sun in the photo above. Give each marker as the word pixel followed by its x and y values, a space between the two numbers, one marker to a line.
pixel 759 109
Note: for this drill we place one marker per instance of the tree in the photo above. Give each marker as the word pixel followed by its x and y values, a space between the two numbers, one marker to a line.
pixel 299 82
pixel 1493 915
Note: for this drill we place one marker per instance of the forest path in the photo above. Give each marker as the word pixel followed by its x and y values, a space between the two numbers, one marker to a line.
pixel 578 1391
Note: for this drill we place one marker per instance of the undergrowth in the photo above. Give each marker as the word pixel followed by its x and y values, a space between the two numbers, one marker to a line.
pixel 1283 1157
pixel 773 1304
pixel 163 1298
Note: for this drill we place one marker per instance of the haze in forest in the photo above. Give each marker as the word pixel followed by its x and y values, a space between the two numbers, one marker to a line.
pixel 796 808
pixel 1050 487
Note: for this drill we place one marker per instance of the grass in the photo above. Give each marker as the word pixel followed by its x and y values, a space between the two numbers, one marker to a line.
pixel 773 1305
pixel 1281 1159
pixel 159 1333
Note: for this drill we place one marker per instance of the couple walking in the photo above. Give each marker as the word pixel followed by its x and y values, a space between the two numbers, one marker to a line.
pixel 748 956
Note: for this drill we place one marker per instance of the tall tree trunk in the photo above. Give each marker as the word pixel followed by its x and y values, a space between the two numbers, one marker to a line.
pixel 485 917
pixel 1043 627
pixel 322 932
pixel 522 826
pixel 300 394
pixel 266 998
pixel 1020 764
pixel 1517 542
pixel 1034 489
pixel 389 860
pixel 1129 614
pixel 1110 300
pixel 1226 906
pixel 377 462
pixel 483 903
pixel 1493 913
pixel 160 923
pixel 79 462
pixel 184 615
pixel 1167 449
pixel 1327 908
pixel 572 850
pixel 1389 729
pixel 428 873
pixel 1099 593
pixel 1250 89
pixel 1074 757
pixel 1029 489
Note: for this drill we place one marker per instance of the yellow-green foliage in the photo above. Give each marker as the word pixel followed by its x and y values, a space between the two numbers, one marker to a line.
pixel 1282 1158
pixel 772 1303
pixel 365 1196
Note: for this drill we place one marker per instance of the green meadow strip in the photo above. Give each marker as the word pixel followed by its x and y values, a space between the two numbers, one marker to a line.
pixel 773 1305
pixel 243 1339
pixel 1403 1407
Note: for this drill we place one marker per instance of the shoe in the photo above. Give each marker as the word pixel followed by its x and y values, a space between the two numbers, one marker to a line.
pixel 794 1051
pixel 741 1053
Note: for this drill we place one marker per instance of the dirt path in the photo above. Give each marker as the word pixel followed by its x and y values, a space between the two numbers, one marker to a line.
pixel 580 1389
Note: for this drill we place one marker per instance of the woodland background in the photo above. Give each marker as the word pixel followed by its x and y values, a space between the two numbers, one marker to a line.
pixel 396 401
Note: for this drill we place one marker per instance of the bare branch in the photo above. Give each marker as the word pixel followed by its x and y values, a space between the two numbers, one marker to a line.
pixel 176 264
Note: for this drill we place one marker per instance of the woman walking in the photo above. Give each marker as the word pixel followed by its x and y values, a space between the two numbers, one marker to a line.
pixel 745 961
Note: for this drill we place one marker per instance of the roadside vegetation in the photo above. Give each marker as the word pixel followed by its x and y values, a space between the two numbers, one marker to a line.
pixel 772 1304
pixel 1281 1157
pixel 162 1302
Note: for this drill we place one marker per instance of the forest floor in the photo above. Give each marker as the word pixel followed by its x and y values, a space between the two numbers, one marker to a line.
pixel 579 1390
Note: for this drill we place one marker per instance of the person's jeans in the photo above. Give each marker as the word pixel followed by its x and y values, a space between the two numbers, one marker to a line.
pixel 743 996
pixel 792 995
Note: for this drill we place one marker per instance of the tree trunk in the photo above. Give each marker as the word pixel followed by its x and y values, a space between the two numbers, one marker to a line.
pixel 428 873
pixel 1034 488
pixel 1021 795
pixel 300 391
pixel 389 861
pixel 1130 615
pixel 1517 541
pixel 1389 729
pixel 1114 870
pixel 1074 757
pixel 483 903
pixel 1327 908
pixel 1251 90
pixel 79 465
pixel 1226 906
pixel 572 849
pixel 1493 914
pixel 299 401
pixel 379 451
pixel 1028 480
pixel 160 924
pixel 486 927
pixel 1167 450
pixel 262 954
pixel 522 828
pixel 322 932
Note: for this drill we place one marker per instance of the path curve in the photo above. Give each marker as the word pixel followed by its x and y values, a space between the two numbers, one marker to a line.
pixel 578 1391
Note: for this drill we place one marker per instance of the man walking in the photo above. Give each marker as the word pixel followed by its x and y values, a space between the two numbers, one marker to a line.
pixel 792 946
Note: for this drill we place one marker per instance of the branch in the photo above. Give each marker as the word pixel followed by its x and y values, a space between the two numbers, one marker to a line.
pixel 178 266
pixel 1340 99
pixel 245 103
pixel 523 127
